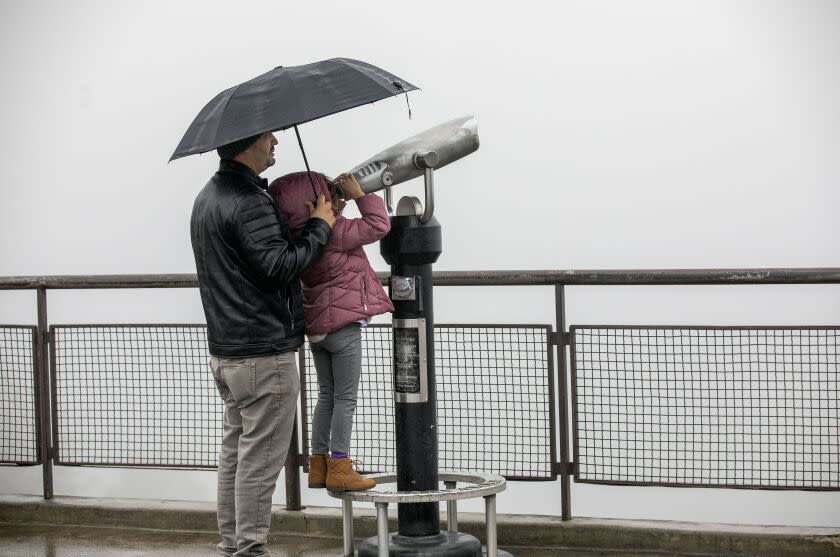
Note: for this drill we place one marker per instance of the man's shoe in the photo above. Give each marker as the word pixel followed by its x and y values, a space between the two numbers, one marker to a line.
pixel 317 471
pixel 342 477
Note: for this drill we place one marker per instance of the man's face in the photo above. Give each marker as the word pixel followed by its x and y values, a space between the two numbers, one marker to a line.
pixel 263 150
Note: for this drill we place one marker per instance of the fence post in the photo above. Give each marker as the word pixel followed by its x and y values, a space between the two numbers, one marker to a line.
pixel 44 397
pixel 292 467
pixel 304 410
pixel 292 464
pixel 563 390
pixel 293 460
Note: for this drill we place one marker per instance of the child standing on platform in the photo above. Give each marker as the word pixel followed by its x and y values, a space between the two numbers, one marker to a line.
pixel 340 294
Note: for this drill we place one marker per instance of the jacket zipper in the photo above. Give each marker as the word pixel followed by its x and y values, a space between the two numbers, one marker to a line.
pixel 364 294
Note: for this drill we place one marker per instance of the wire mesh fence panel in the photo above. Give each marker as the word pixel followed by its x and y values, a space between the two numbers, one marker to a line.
pixel 707 406
pixel 373 422
pixel 135 395
pixel 493 400
pixel 18 425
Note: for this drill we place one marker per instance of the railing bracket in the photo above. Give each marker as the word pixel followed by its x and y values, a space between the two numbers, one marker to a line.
pixel 558 338
pixel 561 468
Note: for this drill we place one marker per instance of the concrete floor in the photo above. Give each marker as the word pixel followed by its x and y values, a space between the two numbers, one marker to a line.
pixel 77 541
pixel 69 527
pixel 46 540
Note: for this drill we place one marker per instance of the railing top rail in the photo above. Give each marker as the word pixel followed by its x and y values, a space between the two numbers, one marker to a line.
pixel 825 275
pixel 639 277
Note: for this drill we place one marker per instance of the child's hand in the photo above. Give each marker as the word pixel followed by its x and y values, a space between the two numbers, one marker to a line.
pixel 348 183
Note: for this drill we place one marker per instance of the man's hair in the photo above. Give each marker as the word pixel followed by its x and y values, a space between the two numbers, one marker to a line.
pixel 229 151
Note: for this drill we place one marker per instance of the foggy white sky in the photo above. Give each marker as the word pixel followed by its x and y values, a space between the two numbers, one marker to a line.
pixel 654 134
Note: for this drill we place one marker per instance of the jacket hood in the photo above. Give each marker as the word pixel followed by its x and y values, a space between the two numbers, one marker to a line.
pixel 290 194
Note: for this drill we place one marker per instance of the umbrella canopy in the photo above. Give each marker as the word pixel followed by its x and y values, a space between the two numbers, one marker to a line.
pixel 286 97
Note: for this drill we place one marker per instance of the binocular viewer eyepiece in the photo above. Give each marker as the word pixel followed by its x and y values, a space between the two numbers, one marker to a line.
pixel 431 149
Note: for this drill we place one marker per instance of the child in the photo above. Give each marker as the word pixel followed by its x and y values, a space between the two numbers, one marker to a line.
pixel 340 294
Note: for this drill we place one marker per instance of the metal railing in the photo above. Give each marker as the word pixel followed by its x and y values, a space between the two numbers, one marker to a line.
pixel 495 400
pixel 133 395
pixel 748 407
pixel 730 407
pixel 19 443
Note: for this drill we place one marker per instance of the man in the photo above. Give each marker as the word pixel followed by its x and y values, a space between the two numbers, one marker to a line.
pixel 248 275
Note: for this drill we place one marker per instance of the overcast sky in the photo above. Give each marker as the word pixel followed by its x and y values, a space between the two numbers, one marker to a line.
pixel 653 134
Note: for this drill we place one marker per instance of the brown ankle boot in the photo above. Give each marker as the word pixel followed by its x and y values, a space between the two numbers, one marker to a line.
pixel 342 477
pixel 317 470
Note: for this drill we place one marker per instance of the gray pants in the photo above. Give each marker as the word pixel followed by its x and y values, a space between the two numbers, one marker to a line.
pixel 338 362
pixel 260 396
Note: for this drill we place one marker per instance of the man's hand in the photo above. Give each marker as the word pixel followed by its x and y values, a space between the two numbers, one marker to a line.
pixel 322 210
pixel 348 183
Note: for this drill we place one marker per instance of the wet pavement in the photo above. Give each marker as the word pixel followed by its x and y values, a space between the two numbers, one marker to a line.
pixel 47 540
pixel 34 540
pixel 73 527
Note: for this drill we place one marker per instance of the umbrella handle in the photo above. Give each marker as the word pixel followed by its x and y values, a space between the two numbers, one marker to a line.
pixel 306 163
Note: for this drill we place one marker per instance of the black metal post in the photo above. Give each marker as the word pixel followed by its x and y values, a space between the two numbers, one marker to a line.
pixel 410 249
pixel 43 376
pixel 416 428
pixel 563 399
pixel 304 411
pixel 293 471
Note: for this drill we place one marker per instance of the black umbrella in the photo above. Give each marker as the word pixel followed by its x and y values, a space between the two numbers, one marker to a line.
pixel 285 97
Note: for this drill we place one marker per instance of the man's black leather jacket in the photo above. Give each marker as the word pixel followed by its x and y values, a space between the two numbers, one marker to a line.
pixel 248 266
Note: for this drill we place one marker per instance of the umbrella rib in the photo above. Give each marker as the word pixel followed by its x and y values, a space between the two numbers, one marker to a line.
pixel 219 124
pixel 357 70
pixel 300 106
